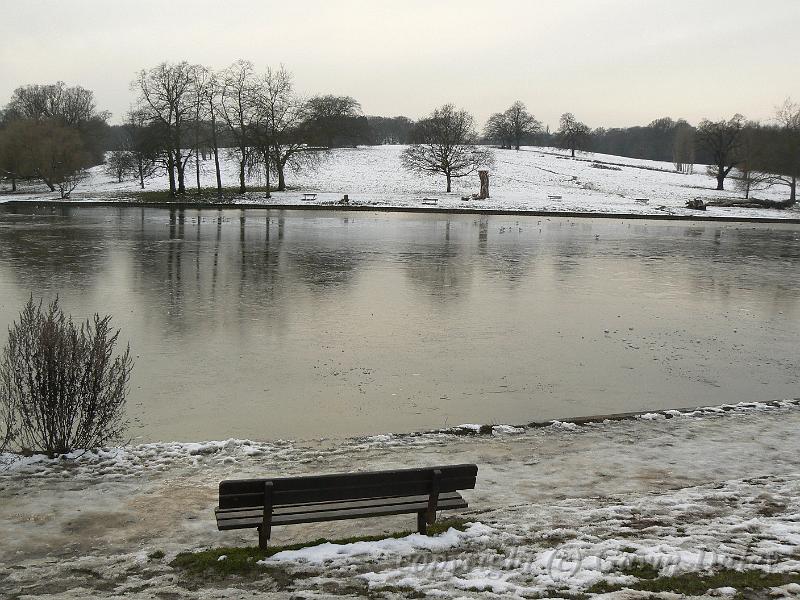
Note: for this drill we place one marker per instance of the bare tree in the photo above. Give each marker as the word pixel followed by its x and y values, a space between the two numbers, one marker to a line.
pixel 444 143
pixel 521 123
pixel 166 96
pixel 749 176
pixel 683 148
pixel 145 141
pixel 721 139
pixel 120 164
pixel 498 130
pixel 283 115
pixel 238 106
pixel 785 156
pixel 203 80
pixel 571 134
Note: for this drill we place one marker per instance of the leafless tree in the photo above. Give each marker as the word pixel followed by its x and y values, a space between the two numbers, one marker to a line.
pixel 283 115
pixel 120 164
pixel 785 155
pixel 444 143
pixel 571 134
pixel 238 106
pixel 145 142
pixel 167 97
pixel 521 123
pixel 721 139
pixel 749 174
pixel 498 130
pixel 683 149
pixel 61 383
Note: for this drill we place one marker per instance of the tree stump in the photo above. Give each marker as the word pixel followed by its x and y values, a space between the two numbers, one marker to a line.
pixel 484 176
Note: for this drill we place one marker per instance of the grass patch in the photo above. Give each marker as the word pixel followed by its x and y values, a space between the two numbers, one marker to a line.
pixel 699 583
pixel 157 555
pixel 207 195
pixel 243 560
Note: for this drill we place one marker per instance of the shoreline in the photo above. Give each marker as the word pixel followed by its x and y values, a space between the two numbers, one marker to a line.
pixel 462 430
pixel 558 512
pixel 400 209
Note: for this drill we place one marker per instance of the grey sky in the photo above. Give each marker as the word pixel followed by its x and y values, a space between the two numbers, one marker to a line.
pixel 611 62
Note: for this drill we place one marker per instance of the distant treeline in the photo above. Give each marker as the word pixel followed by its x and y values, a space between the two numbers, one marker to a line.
pixel 53 132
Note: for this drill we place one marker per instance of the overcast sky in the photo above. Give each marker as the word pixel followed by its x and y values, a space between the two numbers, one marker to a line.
pixel 611 62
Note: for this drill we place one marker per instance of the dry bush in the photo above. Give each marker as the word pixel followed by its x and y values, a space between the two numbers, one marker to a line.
pixel 61 386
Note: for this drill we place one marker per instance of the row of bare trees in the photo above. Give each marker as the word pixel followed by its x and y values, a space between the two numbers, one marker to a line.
pixel 182 109
pixel 756 155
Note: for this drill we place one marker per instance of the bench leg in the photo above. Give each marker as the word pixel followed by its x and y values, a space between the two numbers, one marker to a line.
pixel 263 536
pixel 422 522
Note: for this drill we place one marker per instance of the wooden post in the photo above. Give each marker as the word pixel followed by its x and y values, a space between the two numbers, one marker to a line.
pixel 484 176
pixel 422 525
pixel 433 499
pixel 265 529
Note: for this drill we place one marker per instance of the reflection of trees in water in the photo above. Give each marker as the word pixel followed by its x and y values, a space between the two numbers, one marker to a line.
pixel 442 268
pixel 511 256
pixel 212 264
pixel 50 247
pixel 324 267
pixel 722 262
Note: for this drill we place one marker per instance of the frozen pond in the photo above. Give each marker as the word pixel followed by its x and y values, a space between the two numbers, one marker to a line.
pixel 264 324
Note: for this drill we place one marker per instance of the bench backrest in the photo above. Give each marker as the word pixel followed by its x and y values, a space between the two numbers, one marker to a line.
pixel 242 493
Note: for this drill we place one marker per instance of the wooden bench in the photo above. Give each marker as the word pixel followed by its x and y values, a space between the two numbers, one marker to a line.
pixel 264 503
pixel 430 201
pixel 309 196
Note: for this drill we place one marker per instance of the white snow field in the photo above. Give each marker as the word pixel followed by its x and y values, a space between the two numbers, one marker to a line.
pixel 520 180
pixel 557 509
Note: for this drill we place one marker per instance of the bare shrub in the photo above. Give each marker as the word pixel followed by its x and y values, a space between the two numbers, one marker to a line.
pixel 61 386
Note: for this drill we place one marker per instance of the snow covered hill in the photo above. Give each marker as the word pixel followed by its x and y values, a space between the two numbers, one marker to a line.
pixel 527 179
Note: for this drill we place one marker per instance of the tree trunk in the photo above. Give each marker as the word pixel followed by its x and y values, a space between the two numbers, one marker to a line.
pixel 242 186
pixel 793 190
pixel 13 183
pixel 281 179
pixel 266 169
pixel 141 172
pixel 48 183
pixel 572 149
pixel 484 177
pixel 720 179
pixel 180 166
pixel 216 151
pixel 448 181
pixel 171 172
pixel 197 150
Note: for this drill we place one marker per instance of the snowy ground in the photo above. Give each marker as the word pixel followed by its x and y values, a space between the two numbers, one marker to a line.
pixel 557 509
pixel 520 181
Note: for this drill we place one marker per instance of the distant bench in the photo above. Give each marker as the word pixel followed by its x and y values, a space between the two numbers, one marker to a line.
pixel 309 196
pixel 263 503
pixel 554 197
pixel 431 201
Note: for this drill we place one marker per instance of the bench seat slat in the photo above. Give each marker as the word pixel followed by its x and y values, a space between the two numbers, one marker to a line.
pixel 233 513
pixel 308 482
pixel 341 514
pixel 334 492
